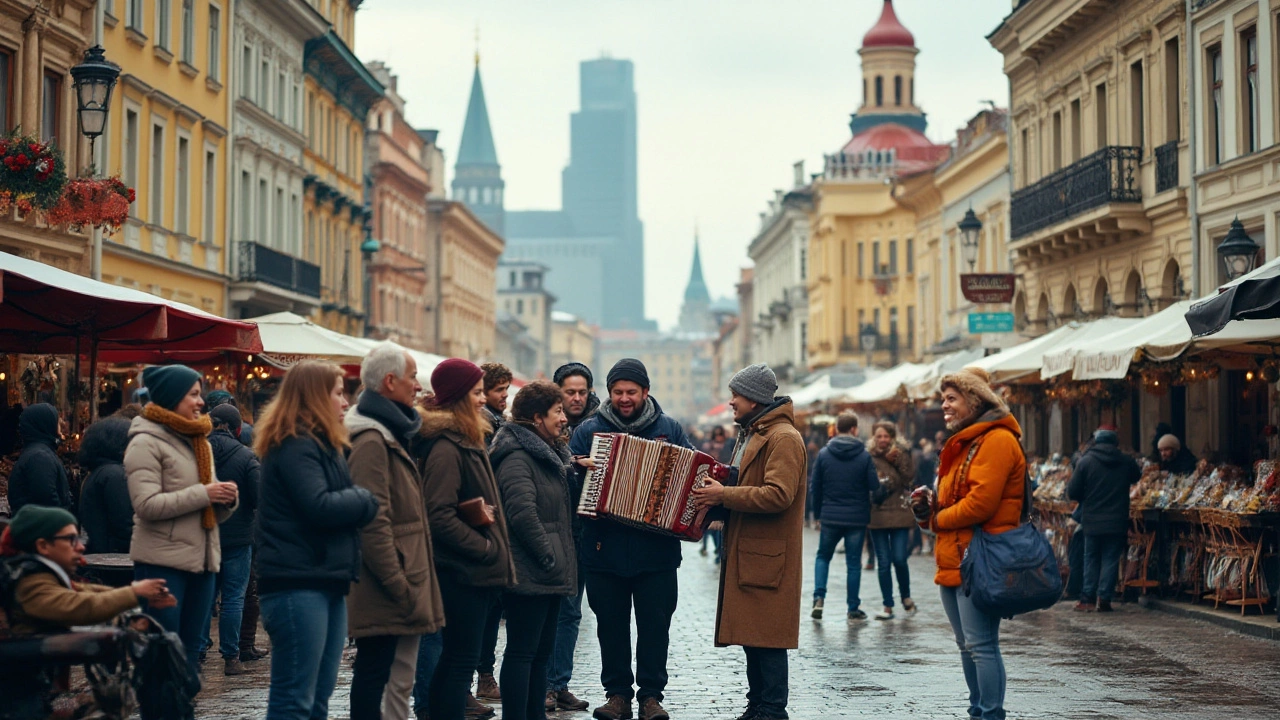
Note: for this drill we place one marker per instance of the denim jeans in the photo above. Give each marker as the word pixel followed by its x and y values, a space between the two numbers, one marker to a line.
pixel 190 617
pixel 767 681
pixel 429 651
pixel 978 635
pixel 531 634
pixel 893 547
pixel 308 629
pixel 232 582
pixel 560 667
pixel 1101 566
pixel 829 536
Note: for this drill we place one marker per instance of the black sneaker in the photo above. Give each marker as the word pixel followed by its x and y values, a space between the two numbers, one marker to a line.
pixel 816 614
pixel 856 616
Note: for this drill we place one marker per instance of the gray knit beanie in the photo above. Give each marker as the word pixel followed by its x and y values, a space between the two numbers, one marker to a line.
pixel 756 383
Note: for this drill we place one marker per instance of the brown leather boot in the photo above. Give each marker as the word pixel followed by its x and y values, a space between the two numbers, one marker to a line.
pixel 651 709
pixel 616 707
pixel 232 666
pixel 487 687
pixel 475 710
pixel 566 700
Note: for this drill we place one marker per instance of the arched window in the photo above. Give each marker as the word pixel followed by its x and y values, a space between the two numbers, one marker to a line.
pixel 879 91
pixel 897 90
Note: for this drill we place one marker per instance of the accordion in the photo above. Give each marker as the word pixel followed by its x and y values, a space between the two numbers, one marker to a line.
pixel 648 484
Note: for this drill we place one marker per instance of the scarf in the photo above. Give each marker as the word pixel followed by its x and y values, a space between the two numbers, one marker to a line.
pixel 197 432
pixel 638 423
pixel 402 421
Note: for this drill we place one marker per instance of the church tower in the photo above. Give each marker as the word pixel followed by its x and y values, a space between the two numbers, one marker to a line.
pixel 695 313
pixel 888 76
pixel 477 176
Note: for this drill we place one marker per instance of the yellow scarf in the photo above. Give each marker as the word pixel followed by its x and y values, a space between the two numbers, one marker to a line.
pixel 196 431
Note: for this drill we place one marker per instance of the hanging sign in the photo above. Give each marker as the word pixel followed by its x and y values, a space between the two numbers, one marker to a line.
pixel 998 322
pixel 988 287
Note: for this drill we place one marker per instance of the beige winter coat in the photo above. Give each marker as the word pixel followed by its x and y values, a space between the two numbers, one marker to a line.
pixel 169 501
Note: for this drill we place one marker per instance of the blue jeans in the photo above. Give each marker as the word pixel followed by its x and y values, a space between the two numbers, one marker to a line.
pixel 308 629
pixel 893 547
pixel 190 617
pixel 428 658
pixel 232 582
pixel 1101 566
pixel 978 635
pixel 829 536
pixel 560 667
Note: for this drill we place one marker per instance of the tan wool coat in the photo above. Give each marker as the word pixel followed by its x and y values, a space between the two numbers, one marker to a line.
pixel 169 501
pixel 397 593
pixel 43 605
pixel 762 573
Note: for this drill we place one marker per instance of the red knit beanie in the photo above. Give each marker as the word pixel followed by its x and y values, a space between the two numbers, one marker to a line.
pixel 453 379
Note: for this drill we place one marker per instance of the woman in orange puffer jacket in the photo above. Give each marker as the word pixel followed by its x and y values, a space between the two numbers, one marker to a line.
pixel 980 482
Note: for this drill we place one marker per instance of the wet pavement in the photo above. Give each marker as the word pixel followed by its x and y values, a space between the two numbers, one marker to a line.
pixel 1133 663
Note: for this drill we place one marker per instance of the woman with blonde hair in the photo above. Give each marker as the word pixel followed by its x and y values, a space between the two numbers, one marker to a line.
pixel 468 528
pixel 307 544
pixel 981 474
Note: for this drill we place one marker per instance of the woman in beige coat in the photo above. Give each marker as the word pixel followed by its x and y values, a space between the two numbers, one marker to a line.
pixel 177 501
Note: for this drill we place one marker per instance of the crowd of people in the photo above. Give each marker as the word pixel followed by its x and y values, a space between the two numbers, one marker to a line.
pixel 413 523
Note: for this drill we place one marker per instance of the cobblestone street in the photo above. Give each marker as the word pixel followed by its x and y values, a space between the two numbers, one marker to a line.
pixel 1135 663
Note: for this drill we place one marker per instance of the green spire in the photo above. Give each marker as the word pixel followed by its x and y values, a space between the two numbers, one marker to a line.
pixel 696 291
pixel 477 138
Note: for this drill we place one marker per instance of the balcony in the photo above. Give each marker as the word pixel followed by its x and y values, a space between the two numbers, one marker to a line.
pixel 1167 166
pixel 268 280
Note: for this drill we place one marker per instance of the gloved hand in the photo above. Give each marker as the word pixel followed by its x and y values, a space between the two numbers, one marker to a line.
pixel 922 504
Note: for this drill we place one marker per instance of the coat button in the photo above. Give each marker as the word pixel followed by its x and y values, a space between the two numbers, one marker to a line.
pixel 597 547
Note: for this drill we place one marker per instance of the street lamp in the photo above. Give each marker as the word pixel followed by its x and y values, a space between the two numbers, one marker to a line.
pixel 970 226
pixel 93 80
pixel 1238 251
pixel 368 248
pixel 868 336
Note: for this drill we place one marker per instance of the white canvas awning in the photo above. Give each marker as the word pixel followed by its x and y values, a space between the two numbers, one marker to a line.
pixel 1024 359
pixel 288 339
pixel 1061 358
pixel 927 384
pixel 887 385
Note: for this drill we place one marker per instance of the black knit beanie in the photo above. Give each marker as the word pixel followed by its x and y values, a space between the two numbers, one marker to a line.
pixel 629 369
pixel 573 368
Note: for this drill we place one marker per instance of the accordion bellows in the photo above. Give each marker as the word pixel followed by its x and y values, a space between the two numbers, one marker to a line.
pixel 648 484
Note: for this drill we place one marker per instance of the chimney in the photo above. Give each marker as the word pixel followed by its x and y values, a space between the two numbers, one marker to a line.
pixel 799 173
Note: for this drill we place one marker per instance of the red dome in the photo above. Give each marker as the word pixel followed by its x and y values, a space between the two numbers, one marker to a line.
pixel 888 32
pixel 912 150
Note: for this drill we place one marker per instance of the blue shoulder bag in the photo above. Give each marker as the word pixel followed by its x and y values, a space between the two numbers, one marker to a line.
pixel 1014 572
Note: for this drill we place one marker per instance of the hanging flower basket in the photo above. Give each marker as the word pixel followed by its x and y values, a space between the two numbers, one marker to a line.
pixel 92 202
pixel 32 173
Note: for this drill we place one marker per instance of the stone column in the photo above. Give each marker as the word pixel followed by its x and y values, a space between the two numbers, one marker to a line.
pixel 32 76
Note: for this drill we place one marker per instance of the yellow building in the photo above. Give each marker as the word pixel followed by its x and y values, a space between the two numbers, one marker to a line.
pixel 572 340
pixel 1098 216
pixel 862 280
pixel 167 138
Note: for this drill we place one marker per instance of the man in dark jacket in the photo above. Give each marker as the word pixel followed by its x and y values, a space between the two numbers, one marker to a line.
pixel 39 478
pixel 580 402
pixel 106 511
pixel 841 483
pixel 235 463
pixel 626 567
pixel 497 383
pixel 222 397
pixel 1100 484
pixel 1174 458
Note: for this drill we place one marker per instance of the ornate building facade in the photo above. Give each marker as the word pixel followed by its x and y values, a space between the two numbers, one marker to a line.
pixel 466 263
pixel 780 254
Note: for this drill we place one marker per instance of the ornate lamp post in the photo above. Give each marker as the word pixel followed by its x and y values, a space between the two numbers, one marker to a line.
pixel 970 226
pixel 93 79
pixel 868 337
pixel 368 248
pixel 1238 251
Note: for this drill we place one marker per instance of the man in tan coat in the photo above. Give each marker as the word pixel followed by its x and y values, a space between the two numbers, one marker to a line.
pixel 761 575
pixel 397 599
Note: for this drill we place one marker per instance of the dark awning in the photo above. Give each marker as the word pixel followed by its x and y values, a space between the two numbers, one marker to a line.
pixel 1255 296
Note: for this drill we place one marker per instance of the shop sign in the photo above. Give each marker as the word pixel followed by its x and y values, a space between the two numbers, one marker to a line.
pixel 993 322
pixel 988 287
pixel 1103 365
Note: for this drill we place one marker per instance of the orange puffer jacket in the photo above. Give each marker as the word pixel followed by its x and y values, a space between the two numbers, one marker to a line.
pixel 989 494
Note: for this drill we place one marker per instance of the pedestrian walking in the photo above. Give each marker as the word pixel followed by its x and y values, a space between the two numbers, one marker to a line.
pixel 761 578
pixel 497 383
pixel 580 402
pixel 307 541
pixel 532 464
pixel 234 463
pixel 468 528
pixel 981 473
pixel 178 502
pixel 39 477
pixel 891 519
pixel 843 478
pixel 106 512
pixel 397 599
pixel 629 568
pixel 1100 483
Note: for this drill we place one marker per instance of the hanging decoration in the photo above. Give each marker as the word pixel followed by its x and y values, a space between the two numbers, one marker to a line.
pixel 88 202
pixel 32 173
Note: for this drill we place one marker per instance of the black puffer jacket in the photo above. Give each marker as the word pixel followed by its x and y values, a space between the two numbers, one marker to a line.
pixel 1100 484
pixel 39 478
pixel 233 462
pixel 533 478
pixel 106 512
pixel 309 517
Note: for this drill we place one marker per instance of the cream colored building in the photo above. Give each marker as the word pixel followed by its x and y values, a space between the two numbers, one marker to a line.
pixel 780 253
pixel 465 262
pixel 572 340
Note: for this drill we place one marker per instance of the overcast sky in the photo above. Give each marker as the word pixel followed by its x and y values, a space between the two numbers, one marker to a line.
pixel 730 92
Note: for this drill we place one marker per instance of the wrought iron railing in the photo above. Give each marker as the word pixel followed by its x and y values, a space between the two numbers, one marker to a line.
pixel 1108 175
pixel 259 263
pixel 1167 166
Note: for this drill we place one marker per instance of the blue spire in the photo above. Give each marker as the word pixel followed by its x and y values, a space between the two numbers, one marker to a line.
pixel 477 138
pixel 696 291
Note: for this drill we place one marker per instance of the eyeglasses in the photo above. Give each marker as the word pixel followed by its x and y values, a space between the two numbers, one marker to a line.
pixel 73 538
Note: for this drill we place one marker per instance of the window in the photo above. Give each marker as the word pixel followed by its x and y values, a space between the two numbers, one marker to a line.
pixel 1100 110
pixel 215 42
pixel 280 97
pixel 6 89
pixel 911 326
pixel 156 211
pixel 246 202
pixel 188 32
pixel 1249 89
pixel 1024 161
pixel 264 86
pixel 182 203
pixel 133 14
pixel 804 263
pixel 879 91
pixel 911 256
pixel 262 212
pixel 875 320
pixel 130 149
pixel 1215 105
pixel 875 257
pixel 861 253
pixel 246 72
pixel 280 237
pixel 311 120
pixel 1055 152
pixel 865 99
pixel 1137 96
pixel 1172 92
pixel 862 319
pixel 163 23
pixel 1075 130
pixel 50 104
pixel 295 212
pixel 210 195
pixel 293 110
pixel 519 306
pixel 893 257
pixel 897 90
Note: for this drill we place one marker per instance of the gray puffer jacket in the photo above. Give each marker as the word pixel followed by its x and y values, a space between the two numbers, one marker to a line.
pixel 533 478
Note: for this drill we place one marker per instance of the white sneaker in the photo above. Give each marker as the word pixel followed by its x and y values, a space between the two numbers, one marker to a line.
pixel 884 615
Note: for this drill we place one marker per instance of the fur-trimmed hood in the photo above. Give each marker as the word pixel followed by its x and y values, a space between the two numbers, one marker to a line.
pixel 513 437
pixel 975 384
pixel 437 423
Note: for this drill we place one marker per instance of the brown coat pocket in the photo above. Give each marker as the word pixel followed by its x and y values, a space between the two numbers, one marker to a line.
pixel 761 562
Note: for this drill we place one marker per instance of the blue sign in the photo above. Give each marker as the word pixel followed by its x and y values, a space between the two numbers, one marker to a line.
pixel 991 322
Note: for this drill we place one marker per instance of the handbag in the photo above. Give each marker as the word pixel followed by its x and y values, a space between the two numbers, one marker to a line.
pixel 1014 572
